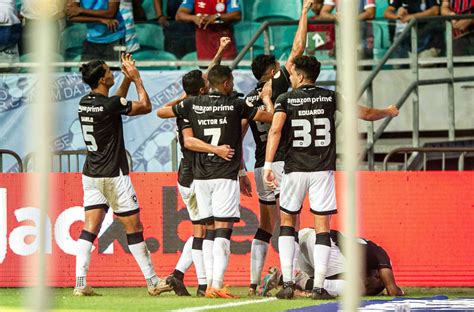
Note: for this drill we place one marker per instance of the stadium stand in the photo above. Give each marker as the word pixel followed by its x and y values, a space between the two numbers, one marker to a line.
pixel 276 10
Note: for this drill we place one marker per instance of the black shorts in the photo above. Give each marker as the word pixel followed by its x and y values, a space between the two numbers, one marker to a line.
pixel 376 257
pixel 99 51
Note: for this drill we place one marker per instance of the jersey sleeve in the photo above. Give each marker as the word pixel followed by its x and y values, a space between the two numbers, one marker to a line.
pixel 188 4
pixel 280 82
pixel 247 109
pixel 330 2
pixel 182 109
pixel 281 104
pixel 369 4
pixel 233 5
pixel 118 105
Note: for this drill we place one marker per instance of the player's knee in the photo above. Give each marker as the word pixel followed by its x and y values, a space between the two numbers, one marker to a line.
pixel 92 226
pixel 199 230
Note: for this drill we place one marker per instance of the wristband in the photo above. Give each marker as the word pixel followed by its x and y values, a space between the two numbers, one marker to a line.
pixel 242 173
pixel 267 166
pixel 159 17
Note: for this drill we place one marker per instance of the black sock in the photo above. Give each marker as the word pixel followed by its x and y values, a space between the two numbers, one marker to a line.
pixel 178 274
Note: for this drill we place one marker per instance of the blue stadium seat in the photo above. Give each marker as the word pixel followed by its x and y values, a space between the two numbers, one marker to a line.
pixel 154 55
pixel 191 56
pixel 247 9
pixel 283 37
pixel 71 40
pixel 244 31
pixel 150 36
pixel 149 9
pixel 264 10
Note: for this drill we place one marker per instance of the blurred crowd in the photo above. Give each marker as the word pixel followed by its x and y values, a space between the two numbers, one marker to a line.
pixel 189 29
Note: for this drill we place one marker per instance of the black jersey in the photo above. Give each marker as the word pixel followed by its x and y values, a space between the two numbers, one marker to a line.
pixel 185 171
pixel 309 129
pixel 102 129
pixel 280 85
pixel 216 119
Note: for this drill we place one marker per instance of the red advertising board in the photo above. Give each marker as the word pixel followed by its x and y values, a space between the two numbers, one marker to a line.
pixel 423 219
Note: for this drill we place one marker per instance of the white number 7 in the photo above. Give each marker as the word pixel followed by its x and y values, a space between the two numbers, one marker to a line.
pixel 215 134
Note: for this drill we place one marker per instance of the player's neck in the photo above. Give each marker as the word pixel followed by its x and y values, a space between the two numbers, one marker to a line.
pixel 306 83
pixel 101 89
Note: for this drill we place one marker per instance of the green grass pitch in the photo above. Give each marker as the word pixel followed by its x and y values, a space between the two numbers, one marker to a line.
pixel 137 299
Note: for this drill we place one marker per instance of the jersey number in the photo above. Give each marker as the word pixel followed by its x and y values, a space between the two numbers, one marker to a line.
pixel 89 138
pixel 305 132
pixel 215 134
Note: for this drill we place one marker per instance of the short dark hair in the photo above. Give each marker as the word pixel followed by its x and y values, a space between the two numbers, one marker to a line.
pixel 218 74
pixel 261 63
pixel 92 72
pixel 309 66
pixel 193 82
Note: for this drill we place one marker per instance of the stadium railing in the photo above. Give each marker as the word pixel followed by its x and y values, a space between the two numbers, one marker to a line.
pixel 72 160
pixel 426 154
pixel 14 155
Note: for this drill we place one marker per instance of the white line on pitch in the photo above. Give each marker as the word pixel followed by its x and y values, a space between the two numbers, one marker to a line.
pixel 225 305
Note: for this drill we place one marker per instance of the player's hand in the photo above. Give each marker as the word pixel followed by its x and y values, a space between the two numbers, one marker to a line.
pixel 210 20
pixel 406 18
pixel 267 90
pixel 112 24
pixel 199 20
pixel 163 21
pixel 307 5
pixel 224 152
pixel 392 111
pixel 402 12
pixel 269 178
pixel 245 186
pixel 73 10
pixel 128 67
pixel 223 43
pixel 462 24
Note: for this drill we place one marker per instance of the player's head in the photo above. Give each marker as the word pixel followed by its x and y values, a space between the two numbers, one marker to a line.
pixel 317 6
pixel 373 283
pixel 194 83
pixel 220 78
pixel 95 73
pixel 265 66
pixel 304 70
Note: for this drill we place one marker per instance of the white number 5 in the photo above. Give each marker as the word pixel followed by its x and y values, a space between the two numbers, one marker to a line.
pixel 89 138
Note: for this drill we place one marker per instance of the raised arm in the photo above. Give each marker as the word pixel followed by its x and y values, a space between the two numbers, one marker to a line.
pixel 266 96
pixel 166 111
pixel 274 136
pixel 197 145
pixel 125 86
pixel 143 105
pixel 299 43
pixel 223 44
pixel 372 114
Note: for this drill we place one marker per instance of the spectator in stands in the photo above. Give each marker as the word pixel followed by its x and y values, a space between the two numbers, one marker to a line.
pixel 328 37
pixel 180 38
pixel 105 27
pixel 138 11
pixel 463 30
pixel 366 13
pixel 10 31
pixel 213 20
pixel 30 10
pixel 131 38
pixel 430 41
